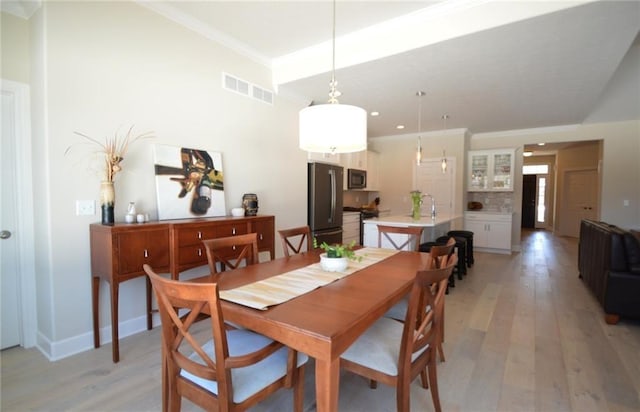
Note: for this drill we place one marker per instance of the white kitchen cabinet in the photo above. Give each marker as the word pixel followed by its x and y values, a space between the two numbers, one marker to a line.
pixel 351 227
pixel 491 170
pixel 373 171
pixel 491 231
pixel 355 160
pixel 333 158
pixel 365 160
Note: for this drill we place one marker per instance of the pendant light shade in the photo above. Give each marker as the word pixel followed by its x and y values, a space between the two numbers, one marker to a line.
pixel 333 128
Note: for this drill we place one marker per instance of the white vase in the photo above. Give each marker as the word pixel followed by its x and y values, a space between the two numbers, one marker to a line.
pixel 333 264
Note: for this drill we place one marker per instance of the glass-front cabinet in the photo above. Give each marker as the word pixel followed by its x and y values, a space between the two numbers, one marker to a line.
pixel 491 170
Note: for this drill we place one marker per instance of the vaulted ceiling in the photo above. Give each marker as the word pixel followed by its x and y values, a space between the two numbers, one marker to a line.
pixel 491 65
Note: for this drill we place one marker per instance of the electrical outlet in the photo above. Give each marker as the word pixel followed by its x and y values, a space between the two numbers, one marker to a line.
pixel 357 199
pixel 85 207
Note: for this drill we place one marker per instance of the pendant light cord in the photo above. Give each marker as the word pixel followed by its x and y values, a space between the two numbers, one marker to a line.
pixel 333 92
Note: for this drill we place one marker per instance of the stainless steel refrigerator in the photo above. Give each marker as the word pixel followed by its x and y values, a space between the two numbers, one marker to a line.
pixel 324 213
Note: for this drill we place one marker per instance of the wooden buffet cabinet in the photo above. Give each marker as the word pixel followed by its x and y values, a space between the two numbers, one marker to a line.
pixel 119 251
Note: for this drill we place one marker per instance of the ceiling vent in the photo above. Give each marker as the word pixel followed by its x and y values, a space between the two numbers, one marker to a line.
pixel 247 89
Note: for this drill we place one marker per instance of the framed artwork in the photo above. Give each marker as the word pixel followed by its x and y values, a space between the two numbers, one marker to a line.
pixel 189 182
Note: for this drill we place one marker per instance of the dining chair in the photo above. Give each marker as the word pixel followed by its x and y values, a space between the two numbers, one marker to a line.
pixel 231 251
pixel 226 370
pixel 414 233
pixel 291 243
pixel 396 353
pixel 438 253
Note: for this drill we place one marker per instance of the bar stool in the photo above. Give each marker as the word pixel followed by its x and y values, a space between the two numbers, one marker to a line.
pixel 468 235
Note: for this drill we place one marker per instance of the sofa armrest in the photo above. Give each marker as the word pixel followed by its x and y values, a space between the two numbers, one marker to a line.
pixel 623 294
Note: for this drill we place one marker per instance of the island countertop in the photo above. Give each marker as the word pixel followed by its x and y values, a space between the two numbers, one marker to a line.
pixel 407 220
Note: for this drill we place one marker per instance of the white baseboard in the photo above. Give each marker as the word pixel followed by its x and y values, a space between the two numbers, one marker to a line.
pixel 57 350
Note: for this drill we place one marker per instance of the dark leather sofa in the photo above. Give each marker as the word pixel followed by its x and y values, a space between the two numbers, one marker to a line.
pixel 609 264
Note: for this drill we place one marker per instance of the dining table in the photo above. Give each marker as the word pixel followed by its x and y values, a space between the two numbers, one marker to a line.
pixel 325 321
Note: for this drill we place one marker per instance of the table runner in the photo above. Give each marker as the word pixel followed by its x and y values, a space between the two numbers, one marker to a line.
pixel 281 288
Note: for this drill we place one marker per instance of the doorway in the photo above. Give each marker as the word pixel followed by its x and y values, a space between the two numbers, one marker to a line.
pixel 441 185
pixel 529 201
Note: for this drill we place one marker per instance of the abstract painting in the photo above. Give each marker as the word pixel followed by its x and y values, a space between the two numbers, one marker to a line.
pixel 189 182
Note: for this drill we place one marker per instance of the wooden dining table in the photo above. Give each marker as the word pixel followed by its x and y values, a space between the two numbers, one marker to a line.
pixel 323 323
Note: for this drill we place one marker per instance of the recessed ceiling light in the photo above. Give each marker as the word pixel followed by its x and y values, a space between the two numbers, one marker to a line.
pixel 400 127
pixel 375 113
pixel 541 144
pixel 527 154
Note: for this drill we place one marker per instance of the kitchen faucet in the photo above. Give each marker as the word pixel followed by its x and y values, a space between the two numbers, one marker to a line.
pixel 433 206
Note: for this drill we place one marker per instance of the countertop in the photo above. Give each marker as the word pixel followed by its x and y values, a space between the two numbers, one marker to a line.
pixel 406 220
pixel 486 212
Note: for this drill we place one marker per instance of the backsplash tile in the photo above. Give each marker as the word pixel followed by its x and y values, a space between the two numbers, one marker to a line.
pixel 493 201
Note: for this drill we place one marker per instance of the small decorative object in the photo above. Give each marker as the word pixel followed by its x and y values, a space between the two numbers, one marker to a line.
pixel 107 202
pixel 250 204
pixel 130 217
pixel 113 148
pixel 416 201
pixel 140 218
pixel 237 211
pixel 336 258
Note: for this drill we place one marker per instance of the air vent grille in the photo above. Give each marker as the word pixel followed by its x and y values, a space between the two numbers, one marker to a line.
pixel 245 88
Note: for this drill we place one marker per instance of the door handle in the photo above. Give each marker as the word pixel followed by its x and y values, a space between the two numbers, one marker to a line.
pixel 5 234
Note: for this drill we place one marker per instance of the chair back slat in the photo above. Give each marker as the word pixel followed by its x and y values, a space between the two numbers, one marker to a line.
pixel 414 234
pixel 228 253
pixel 439 252
pixel 293 239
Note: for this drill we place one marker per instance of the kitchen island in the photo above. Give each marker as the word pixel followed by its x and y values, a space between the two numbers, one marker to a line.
pixel 433 228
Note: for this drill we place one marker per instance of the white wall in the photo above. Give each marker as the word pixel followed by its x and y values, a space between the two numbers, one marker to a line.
pixel 397 165
pixel 102 67
pixel 14 38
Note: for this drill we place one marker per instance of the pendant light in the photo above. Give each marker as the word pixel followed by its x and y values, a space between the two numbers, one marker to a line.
pixel 333 127
pixel 443 164
pixel 419 148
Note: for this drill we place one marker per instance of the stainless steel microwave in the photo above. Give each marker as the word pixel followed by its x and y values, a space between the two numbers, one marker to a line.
pixel 356 179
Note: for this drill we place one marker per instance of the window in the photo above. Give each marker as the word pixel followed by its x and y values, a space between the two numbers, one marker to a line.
pixel 535 169
pixel 542 186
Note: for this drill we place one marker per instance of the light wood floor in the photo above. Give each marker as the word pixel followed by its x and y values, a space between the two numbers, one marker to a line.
pixel 522 334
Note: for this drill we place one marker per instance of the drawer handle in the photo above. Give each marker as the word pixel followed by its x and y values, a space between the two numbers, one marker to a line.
pixel 146 253
pixel 199 235
pixel 261 236
pixel 199 252
pixel 233 247
pixel 233 231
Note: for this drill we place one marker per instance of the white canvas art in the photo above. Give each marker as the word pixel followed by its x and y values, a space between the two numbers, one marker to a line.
pixel 189 182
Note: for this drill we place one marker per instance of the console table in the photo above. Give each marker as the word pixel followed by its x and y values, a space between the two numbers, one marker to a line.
pixel 119 251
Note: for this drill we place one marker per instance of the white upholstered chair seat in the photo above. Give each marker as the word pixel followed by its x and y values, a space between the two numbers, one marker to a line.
pixel 379 346
pixel 399 310
pixel 251 379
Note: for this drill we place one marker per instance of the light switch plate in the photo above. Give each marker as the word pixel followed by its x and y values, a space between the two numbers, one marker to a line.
pixel 85 207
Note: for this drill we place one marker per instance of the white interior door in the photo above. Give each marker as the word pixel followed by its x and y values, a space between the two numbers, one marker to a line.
pixel 431 180
pixel 581 199
pixel 9 281
pixel 17 256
